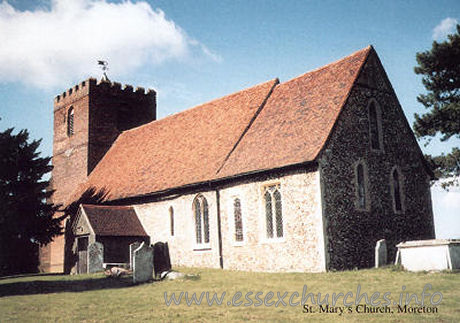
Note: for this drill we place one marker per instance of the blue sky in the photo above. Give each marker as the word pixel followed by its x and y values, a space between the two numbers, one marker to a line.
pixel 194 51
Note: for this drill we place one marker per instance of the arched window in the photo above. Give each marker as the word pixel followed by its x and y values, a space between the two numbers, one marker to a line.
pixel 375 125
pixel 361 187
pixel 396 190
pixel 70 115
pixel 200 210
pixel 273 212
pixel 238 220
pixel 171 220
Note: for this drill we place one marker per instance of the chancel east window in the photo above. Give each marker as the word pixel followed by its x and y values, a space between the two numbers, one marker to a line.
pixel 238 220
pixel 201 214
pixel 70 115
pixel 273 212
pixel 375 125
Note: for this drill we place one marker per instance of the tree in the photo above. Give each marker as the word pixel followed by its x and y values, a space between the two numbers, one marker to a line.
pixel 26 218
pixel 440 68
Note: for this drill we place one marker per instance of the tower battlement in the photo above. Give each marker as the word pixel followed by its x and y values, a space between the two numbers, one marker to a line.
pixel 113 88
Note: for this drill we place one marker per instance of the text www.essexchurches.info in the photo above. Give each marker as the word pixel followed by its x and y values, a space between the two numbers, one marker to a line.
pixel 339 303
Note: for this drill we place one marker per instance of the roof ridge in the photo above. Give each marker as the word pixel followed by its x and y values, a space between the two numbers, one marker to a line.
pixel 201 105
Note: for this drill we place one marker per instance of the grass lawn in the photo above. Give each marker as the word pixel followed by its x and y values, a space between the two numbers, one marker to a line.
pixel 94 298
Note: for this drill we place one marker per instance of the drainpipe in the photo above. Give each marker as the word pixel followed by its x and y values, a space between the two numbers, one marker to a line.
pixel 219 230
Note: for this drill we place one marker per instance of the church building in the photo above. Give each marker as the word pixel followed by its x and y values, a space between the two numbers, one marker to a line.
pixel 304 175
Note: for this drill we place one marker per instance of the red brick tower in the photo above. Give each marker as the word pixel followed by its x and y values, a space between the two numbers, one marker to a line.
pixel 87 120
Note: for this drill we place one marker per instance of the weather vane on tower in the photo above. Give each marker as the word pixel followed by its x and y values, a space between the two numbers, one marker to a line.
pixel 105 67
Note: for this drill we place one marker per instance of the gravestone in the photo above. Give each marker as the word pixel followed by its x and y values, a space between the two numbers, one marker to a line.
pixel 161 256
pixel 143 263
pixel 95 257
pixel 133 246
pixel 381 253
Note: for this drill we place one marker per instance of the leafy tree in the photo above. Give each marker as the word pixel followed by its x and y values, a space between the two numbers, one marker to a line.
pixel 440 68
pixel 26 218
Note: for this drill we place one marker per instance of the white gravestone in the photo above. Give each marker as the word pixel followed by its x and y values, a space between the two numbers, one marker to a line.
pixel 133 246
pixel 381 253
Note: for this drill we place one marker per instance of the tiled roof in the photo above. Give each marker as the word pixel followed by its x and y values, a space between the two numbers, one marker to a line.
pixel 297 119
pixel 114 220
pixel 184 148
pixel 267 126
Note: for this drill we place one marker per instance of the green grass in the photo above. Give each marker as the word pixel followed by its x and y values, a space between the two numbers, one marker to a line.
pixel 94 298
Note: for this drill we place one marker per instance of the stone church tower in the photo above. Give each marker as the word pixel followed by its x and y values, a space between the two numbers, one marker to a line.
pixel 87 120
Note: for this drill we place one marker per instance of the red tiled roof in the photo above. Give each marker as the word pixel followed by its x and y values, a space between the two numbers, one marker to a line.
pixel 114 220
pixel 184 148
pixel 267 126
pixel 297 119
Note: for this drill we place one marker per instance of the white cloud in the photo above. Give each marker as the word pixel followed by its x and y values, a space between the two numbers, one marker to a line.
pixel 49 47
pixel 445 27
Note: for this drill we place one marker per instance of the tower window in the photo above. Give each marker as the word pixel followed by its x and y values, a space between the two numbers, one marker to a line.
pixel 200 210
pixel 70 116
pixel 273 212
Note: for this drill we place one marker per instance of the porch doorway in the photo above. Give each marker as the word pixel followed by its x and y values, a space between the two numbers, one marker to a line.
pixel 82 247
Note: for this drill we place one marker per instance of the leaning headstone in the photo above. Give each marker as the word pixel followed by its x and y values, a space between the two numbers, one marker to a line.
pixel 95 257
pixel 381 253
pixel 133 246
pixel 161 257
pixel 143 263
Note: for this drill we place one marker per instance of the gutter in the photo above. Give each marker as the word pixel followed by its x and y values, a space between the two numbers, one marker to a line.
pixel 219 230
pixel 210 183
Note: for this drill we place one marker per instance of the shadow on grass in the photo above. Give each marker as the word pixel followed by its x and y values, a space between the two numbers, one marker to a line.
pixel 58 286
pixel 30 275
